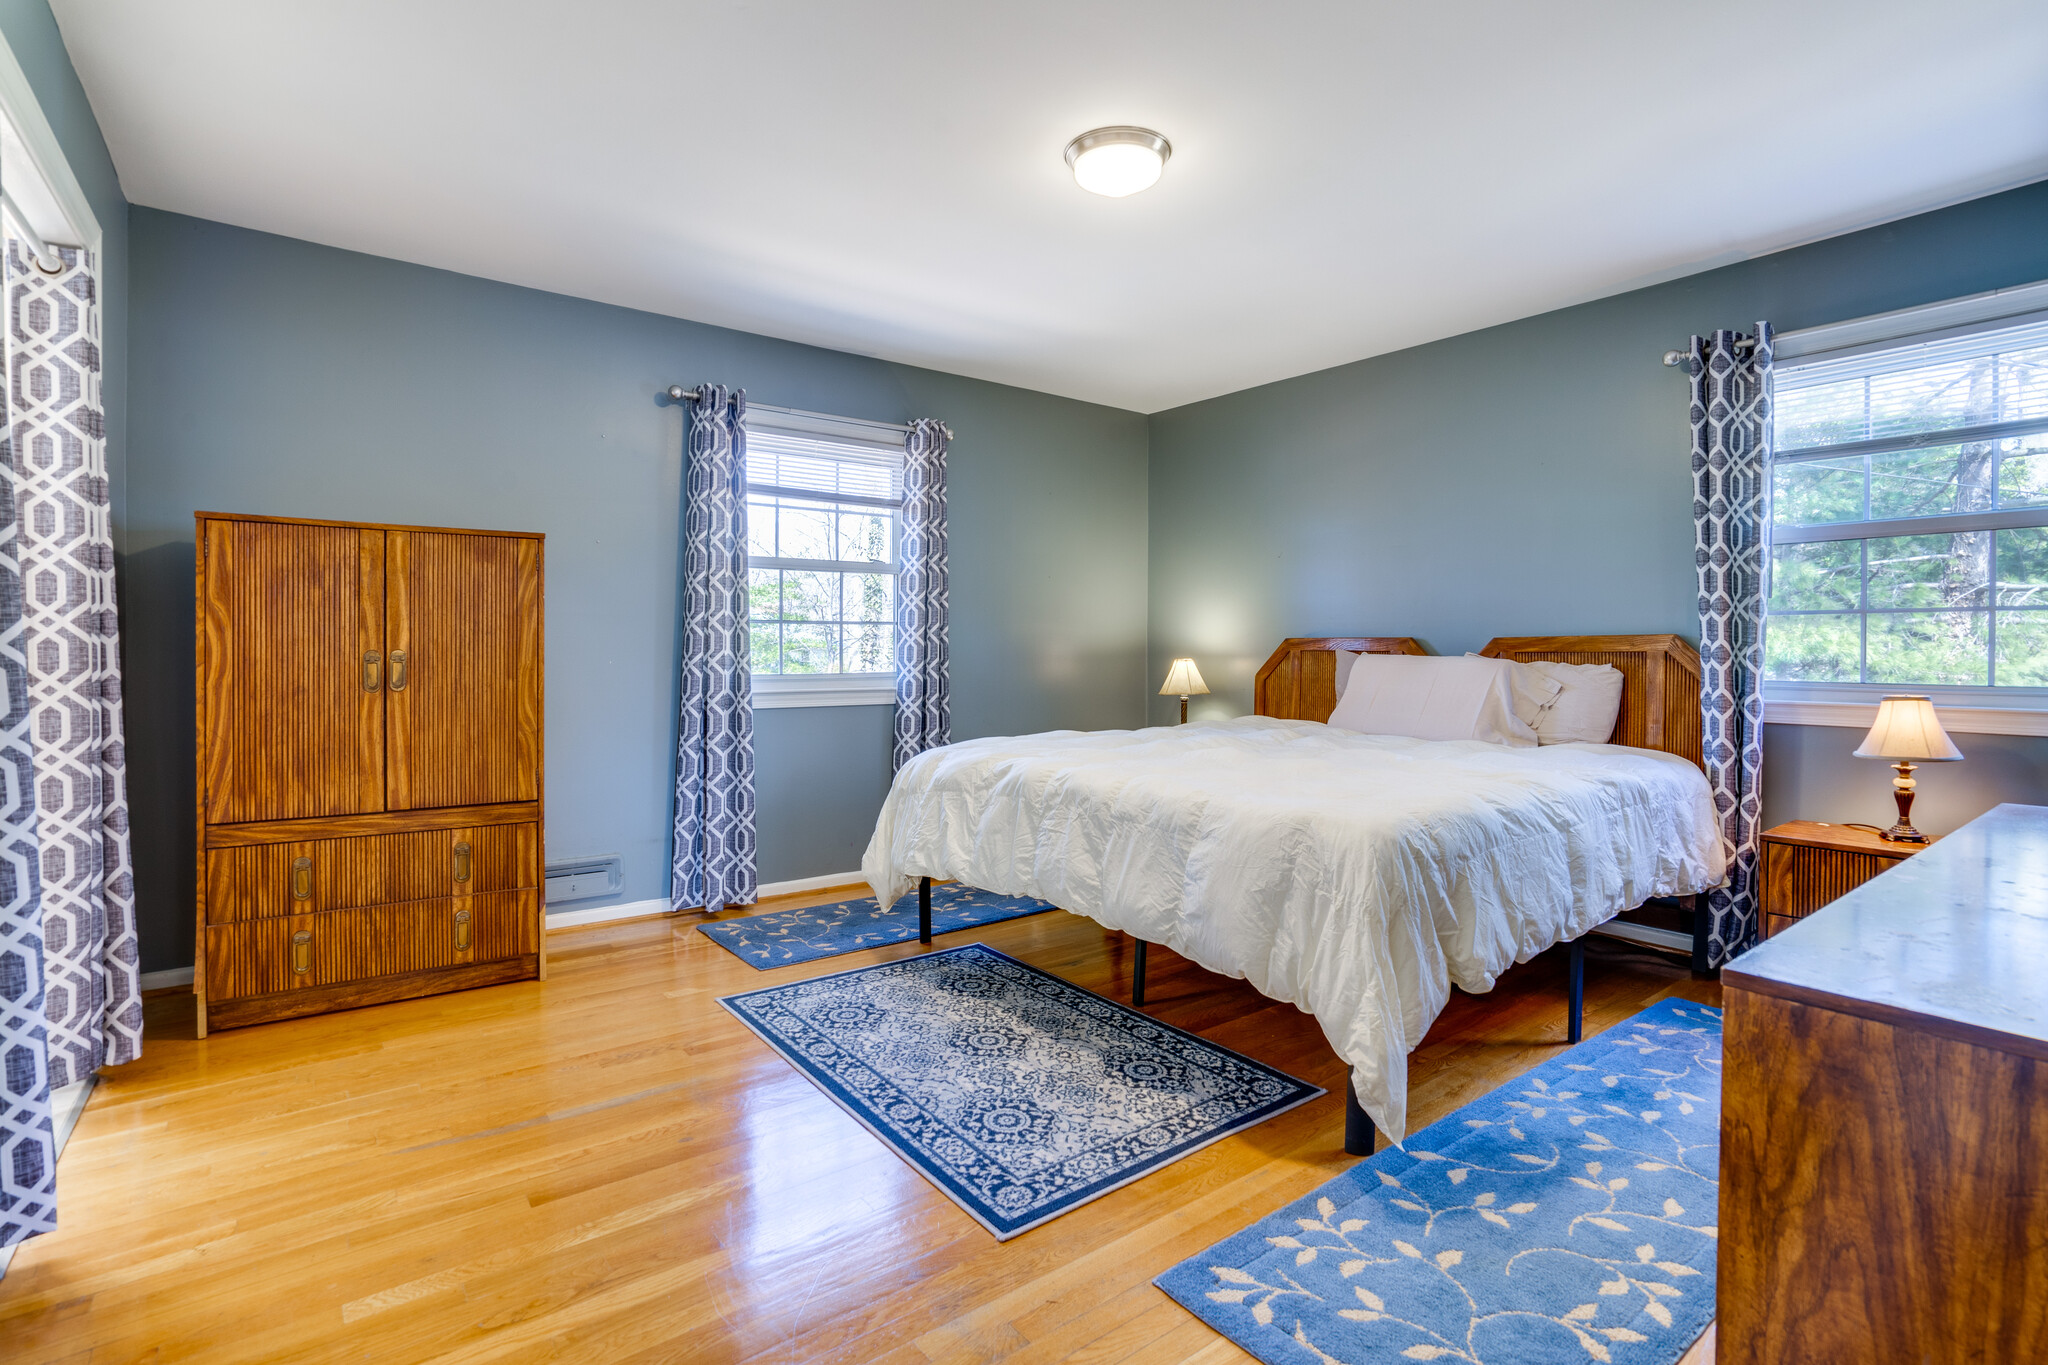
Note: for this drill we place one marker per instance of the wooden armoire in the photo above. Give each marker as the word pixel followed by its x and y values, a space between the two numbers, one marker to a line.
pixel 369 764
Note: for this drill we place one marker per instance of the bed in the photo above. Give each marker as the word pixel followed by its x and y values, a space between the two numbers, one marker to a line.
pixel 1358 877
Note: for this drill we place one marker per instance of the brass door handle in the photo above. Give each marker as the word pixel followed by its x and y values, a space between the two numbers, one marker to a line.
pixel 302 879
pixel 373 675
pixel 462 931
pixel 398 670
pixel 462 862
pixel 302 951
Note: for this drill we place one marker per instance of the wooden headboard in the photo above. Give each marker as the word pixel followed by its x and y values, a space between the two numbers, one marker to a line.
pixel 1660 682
pixel 1300 681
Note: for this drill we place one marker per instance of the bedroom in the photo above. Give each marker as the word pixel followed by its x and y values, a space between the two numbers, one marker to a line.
pixel 1308 384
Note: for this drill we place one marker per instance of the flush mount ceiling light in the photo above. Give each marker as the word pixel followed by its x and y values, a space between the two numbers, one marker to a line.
pixel 1118 161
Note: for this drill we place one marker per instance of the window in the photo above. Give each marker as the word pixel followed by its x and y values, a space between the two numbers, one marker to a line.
pixel 823 496
pixel 1909 520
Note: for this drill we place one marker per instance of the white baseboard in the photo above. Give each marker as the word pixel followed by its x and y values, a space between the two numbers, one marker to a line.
pixel 176 976
pixel 604 914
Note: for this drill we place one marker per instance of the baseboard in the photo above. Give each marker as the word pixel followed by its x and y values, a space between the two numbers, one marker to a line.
pixel 605 914
pixel 176 976
pixel 809 884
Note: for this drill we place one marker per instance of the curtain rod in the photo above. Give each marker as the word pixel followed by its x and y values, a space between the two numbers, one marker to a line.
pixel 1672 358
pixel 47 260
pixel 677 393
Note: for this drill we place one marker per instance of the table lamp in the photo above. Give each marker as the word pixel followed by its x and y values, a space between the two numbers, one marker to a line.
pixel 1185 680
pixel 1907 731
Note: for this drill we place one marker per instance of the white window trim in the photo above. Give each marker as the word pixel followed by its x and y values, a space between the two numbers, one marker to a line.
pixel 1965 710
pixel 789 691
pixel 776 691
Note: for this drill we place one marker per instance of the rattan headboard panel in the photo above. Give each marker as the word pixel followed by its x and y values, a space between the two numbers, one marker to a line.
pixel 1300 681
pixel 1660 688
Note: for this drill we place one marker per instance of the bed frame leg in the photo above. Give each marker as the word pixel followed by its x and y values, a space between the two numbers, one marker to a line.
pixel 1359 1133
pixel 1701 922
pixel 924 911
pixel 1138 976
pixel 1576 990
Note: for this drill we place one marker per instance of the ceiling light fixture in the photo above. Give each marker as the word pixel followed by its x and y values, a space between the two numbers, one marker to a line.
pixel 1118 161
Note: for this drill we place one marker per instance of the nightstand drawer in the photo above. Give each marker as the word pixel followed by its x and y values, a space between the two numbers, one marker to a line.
pixel 1806 865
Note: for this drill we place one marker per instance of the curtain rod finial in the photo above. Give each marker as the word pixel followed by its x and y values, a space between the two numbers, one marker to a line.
pixel 1675 358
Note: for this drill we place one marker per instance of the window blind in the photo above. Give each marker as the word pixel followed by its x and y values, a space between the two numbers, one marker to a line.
pixel 792 465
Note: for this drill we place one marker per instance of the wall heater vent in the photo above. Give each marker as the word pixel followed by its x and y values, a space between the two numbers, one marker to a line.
pixel 582 879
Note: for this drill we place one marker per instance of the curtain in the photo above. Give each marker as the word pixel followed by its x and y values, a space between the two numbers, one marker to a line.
pixel 714 839
pixel 28 1148
pixel 1731 434
pixel 57 464
pixel 924 698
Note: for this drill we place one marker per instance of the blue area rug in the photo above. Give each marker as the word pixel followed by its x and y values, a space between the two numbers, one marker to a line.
pixel 786 936
pixel 1567 1217
pixel 1019 1095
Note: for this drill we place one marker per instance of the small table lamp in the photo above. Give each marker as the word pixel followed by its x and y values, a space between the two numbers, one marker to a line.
pixel 1908 731
pixel 1185 680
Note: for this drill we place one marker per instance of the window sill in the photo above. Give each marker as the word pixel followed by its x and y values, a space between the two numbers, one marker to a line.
pixel 779 691
pixel 1849 715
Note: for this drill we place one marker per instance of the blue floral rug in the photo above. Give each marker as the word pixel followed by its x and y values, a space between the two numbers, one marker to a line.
pixel 1021 1096
pixel 1567 1217
pixel 786 936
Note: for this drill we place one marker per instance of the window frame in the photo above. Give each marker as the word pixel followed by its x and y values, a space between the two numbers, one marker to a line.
pixel 1971 708
pixel 775 691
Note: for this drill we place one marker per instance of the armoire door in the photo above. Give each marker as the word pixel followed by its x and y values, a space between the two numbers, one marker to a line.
pixel 293 700
pixel 463 626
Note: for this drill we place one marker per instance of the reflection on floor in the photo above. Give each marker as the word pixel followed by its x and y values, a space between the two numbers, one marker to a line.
pixel 607 1166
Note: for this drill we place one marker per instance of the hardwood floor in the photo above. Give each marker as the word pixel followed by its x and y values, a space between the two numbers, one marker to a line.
pixel 606 1166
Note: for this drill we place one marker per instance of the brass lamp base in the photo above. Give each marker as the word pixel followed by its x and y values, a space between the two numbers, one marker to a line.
pixel 1902 792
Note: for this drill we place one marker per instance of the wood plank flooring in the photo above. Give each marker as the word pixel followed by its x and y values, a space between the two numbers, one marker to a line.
pixel 605 1166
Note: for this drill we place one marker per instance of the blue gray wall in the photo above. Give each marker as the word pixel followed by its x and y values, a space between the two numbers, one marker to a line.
pixel 276 376
pixel 1533 479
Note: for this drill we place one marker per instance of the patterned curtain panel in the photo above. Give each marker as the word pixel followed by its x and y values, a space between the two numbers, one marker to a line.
pixel 1731 426
pixel 924 696
pixel 714 850
pixel 28 1149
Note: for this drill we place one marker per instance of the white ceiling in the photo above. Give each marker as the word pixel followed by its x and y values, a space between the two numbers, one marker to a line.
pixel 1348 177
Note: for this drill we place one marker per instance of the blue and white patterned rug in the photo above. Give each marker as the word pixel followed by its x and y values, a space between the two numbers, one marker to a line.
pixel 787 936
pixel 1567 1217
pixel 1021 1096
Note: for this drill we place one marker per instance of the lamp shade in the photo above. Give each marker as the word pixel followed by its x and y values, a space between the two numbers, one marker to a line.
pixel 1907 728
pixel 1185 680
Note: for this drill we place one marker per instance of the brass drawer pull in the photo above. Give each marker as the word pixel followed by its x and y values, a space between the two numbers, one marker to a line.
pixel 302 951
pixel 373 677
pixel 462 862
pixel 398 670
pixel 302 879
pixel 462 931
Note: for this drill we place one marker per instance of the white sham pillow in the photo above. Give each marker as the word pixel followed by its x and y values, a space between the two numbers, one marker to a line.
pixel 1586 706
pixel 1427 697
pixel 1534 691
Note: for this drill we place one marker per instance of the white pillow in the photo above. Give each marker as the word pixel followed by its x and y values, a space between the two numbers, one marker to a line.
pixel 1585 710
pixel 1426 697
pixel 1533 691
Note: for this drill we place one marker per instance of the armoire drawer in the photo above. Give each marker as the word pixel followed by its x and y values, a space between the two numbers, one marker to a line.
pixel 315 875
pixel 291 952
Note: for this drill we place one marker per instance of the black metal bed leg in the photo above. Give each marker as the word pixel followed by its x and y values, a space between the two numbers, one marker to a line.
pixel 1359 1133
pixel 1701 924
pixel 1138 976
pixel 924 911
pixel 1576 990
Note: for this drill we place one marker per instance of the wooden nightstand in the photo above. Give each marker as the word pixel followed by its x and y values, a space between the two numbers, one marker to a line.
pixel 1807 863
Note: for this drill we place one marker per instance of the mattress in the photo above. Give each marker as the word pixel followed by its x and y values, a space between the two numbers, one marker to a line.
pixel 1358 877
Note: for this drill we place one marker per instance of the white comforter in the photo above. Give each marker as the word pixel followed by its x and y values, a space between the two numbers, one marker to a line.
pixel 1356 876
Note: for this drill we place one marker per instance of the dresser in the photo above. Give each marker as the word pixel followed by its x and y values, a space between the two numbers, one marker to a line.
pixel 1808 863
pixel 369 764
pixel 1884 1125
